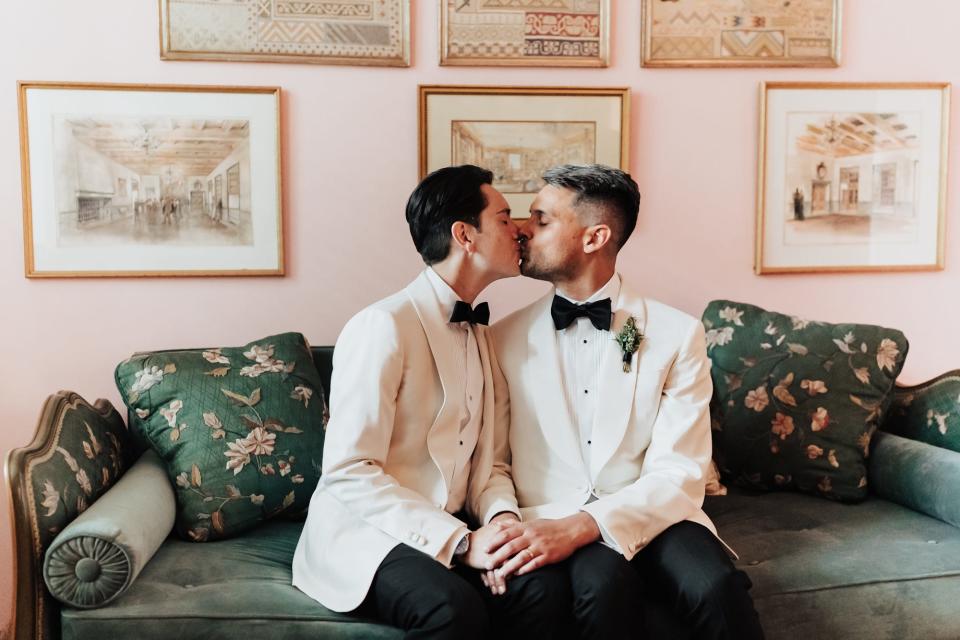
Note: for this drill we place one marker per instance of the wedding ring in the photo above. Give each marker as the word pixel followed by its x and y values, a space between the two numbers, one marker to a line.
pixel 529 555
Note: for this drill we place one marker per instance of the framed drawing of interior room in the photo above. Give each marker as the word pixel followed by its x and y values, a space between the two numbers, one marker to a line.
pixel 150 180
pixel 368 32
pixel 519 132
pixel 740 33
pixel 851 176
pixel 559 33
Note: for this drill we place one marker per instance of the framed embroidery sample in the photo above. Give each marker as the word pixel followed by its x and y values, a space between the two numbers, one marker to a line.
pixel 851 176
pixel 520 132
pixel 535 33
pixel 357 32
pixel 740 33
pixel 150 180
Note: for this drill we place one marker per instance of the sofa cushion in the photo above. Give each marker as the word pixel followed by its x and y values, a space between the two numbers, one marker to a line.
pixel 855 571
pixel 240 429
pixel 928 412
pixel 796 402
pixel 917 475
pixel 98 555
pixel 233 588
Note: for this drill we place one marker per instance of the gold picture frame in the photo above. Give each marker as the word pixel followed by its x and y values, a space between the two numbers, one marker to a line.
pixel 518 132
pixel 717 33
pixel 851 177
pixel 564 34
pixel 168 143
pixel 372 33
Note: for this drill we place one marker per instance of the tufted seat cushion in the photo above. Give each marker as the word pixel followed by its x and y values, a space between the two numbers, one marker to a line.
pixel 232 588
pixel 895 571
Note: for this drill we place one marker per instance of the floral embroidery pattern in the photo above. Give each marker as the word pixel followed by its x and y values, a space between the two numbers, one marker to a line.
pixel 796 402
pixel 233 437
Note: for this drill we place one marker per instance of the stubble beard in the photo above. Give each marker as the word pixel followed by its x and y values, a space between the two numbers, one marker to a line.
pixel 542 269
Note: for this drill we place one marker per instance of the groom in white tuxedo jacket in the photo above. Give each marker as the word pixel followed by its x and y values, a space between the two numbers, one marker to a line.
pixel 409 466
pixel 609 428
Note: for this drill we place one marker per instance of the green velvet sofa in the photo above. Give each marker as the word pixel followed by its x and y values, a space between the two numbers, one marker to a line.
pixel 820 569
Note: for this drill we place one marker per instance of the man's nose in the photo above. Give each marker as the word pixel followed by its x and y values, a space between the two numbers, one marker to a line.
pixel 524 231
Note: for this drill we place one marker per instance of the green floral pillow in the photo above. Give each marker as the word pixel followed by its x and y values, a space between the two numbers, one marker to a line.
pixel 796 402
pixel 240 429
pixel 928 412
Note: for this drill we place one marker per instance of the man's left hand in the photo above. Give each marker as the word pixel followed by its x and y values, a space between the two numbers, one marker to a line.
pixel 526 546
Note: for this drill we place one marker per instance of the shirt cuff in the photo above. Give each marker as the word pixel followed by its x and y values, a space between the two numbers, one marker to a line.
pixel 605 536
pixel 446 553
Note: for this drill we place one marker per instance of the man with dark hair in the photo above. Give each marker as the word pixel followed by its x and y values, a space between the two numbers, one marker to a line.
pixel 609 426
pixel 409 462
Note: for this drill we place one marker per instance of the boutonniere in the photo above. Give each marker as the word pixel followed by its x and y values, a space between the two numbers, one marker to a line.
pixel 629 339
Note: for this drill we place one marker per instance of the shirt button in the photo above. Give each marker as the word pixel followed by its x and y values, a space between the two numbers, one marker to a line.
pixel 461 443
pixel 589 441
pixel 584 342
pixel 586 391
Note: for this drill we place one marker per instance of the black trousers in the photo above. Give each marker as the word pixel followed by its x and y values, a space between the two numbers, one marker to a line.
pixel 416 593
pixel 685 567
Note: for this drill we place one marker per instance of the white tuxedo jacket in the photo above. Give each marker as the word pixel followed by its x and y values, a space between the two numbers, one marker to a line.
pixel 391 446
pixel 651 439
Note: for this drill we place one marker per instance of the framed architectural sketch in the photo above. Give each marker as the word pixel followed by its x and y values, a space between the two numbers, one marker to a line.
pixel 150 180
pixel 852 177
pixel 533 33
pixel 519 132
pixel 357 32
pixel 740 33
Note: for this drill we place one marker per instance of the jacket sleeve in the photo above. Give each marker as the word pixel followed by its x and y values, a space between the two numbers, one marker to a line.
pixel 671 485
pixel 492 490
pixel 367 376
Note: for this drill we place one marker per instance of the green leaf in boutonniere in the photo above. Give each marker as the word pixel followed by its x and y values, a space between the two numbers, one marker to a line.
pixel 629 339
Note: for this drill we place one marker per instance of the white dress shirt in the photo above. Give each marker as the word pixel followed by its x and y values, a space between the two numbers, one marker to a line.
pixel 581 350
pixel 469 389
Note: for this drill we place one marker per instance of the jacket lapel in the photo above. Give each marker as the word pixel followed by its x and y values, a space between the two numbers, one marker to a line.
pixel 617 387
pixel 542 381
pixel 427 306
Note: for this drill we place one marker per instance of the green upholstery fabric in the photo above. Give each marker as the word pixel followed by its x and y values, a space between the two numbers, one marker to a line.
pixel 240 429
pixel 796 402
pixel 928 412
pixel 90 456
pixel 234 588
pixel 917 475
pixel 98 555
pixel 873 570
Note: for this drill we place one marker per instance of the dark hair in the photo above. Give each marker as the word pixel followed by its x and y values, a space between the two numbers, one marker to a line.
pixel 447 195
pixel 613 191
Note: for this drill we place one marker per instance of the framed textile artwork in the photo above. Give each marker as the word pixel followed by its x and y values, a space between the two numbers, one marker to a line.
pixel 534 33
pixel 740 33
pixel 150 180
pixel 356 32
pixel 519 132
pixel 851 177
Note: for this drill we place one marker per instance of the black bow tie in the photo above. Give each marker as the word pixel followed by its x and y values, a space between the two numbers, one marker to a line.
pixel 462 312
pixel 565 312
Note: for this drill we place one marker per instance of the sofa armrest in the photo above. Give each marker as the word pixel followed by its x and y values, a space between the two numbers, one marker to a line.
pixel 917 475
pixel 77 453
pixel 99 555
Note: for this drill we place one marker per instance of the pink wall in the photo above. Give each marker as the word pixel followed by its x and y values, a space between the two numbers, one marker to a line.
pixel 350 158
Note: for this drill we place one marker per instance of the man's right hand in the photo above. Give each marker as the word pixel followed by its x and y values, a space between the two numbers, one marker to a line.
pixel 480 554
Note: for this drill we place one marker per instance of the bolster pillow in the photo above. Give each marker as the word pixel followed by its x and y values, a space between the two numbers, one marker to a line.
pixel 917 475
pixel 98 555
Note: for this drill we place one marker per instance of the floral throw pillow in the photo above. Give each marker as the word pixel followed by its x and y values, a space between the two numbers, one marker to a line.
pixel 796 401
pixel 240 429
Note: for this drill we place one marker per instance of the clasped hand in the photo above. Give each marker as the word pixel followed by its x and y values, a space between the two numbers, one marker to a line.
pixel 507 547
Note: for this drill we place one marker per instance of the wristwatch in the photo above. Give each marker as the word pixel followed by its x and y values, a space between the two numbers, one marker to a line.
pixel 463 546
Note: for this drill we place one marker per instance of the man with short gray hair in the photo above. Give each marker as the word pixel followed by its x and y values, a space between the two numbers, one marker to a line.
pixel 609 426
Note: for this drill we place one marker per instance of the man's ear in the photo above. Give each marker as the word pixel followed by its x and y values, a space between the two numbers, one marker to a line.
pixel 462 235
pixel 596 237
